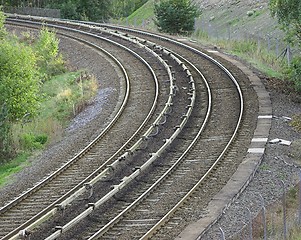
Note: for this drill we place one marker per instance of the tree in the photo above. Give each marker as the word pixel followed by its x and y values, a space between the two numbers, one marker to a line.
pixel 47 52
pixel 92 10
pixel 2 29
pixel 175 16
pixel 19 87
pixel 288 13
pixel 19 80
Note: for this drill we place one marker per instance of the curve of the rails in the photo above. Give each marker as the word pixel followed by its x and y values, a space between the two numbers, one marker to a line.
pixel 174 222
pixel 50 177
pixel 236 148
pixel 186 115
pixel 139 170
pixel 239 119
pixel 164 177
pixel 188 195
pixel 159 118
pixel 168 215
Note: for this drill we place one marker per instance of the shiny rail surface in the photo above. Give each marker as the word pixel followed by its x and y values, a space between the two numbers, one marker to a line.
pixel 190 69
pixel 109 225
pixel 84 182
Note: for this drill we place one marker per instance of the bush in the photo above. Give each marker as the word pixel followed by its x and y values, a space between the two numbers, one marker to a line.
pixel 175 16
pixel 294 73
pixel 31 142
pixel 47 50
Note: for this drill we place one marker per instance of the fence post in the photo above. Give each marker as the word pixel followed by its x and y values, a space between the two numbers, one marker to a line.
pixel 284 211
pixel 143 24
pixel 288 52
pixel 277 47
pixel 269 43
pixel 229 32
pixel 250 224
pixel 209 30
pixel 258 43
pixel 299 218
pixel 135 22
pixel 264 218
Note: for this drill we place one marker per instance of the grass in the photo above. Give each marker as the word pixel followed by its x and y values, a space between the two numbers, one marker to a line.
pixel 250 51
pixel 14 166
pixel 145 15
pixel 63 97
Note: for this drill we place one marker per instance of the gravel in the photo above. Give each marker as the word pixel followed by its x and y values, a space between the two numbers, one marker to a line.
pixel 278 163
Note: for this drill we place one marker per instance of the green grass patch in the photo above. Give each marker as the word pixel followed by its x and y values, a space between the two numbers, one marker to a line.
pixel 257 56
pixel 59 95
pixel 13 166
pixel 64 96
pixel 144 14
pixel 234 21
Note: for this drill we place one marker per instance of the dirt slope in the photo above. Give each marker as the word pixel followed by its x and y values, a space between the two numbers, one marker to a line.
pixel 244 17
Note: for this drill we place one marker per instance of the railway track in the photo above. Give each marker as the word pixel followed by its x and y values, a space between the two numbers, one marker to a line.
pixel 189 151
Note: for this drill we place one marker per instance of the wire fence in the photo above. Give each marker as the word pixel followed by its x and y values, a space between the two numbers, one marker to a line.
pixel 42 12
pixel 276 221
pixel 272 42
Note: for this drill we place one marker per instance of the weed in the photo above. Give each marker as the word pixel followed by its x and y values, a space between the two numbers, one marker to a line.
pixel 296 122
pixel 12 166
pixel 234 21
pixel 31 142
pixel 264 167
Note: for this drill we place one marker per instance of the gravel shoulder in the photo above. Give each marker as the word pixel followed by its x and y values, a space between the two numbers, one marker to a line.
pixel 279 163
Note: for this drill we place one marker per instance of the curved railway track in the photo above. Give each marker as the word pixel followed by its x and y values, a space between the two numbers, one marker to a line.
pixel 188 150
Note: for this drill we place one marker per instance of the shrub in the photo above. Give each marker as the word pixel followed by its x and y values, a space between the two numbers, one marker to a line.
pixel 31 142
pixel 175 16
pixel 47 50
pixel 294 72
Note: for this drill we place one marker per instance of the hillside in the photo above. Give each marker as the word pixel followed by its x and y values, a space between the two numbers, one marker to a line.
pixel 243 16
pixel 219 17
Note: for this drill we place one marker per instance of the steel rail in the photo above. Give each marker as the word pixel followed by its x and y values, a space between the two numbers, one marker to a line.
pixel 238 124
pixel 127 180
pixel 174 209
pixel 67 196
pixel 173 167
pixel 156 121
pixel 224 151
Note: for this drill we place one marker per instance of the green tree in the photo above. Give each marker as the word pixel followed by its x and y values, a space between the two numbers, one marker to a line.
pixel 19 80
pixel 19 87
pixel 69 10
pixel 92 10
pixel 47 51
pixel 288 13
pixel 175 16
pixel 2 29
